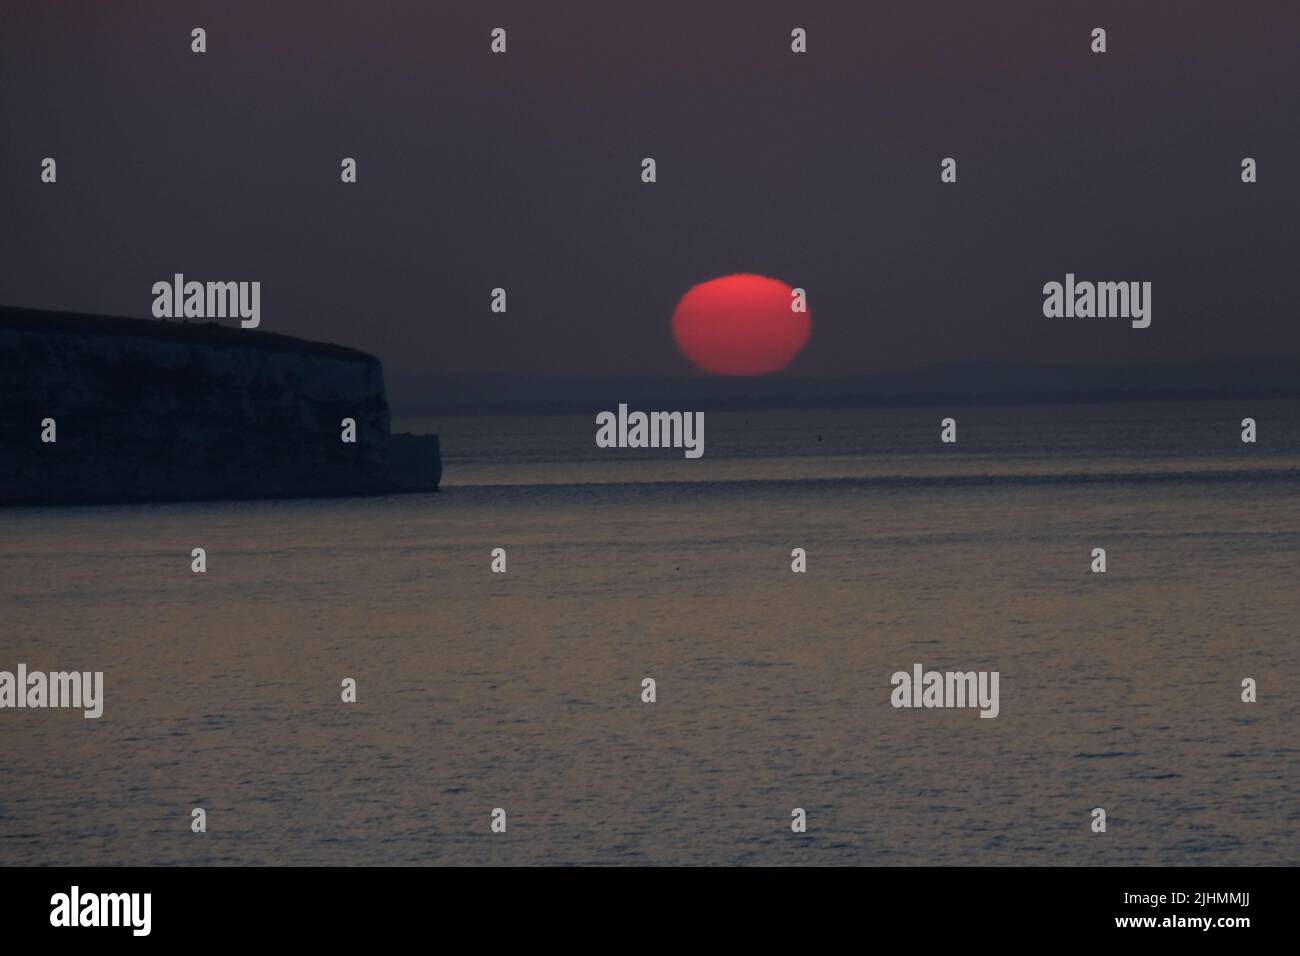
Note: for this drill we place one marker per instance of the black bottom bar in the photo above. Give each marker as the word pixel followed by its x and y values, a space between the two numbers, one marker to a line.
pixel 647 907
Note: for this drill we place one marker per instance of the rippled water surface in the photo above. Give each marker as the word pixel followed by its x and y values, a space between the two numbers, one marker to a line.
pixel 522 691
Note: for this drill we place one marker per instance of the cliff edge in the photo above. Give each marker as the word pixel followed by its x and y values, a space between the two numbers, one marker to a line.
pixel 105 409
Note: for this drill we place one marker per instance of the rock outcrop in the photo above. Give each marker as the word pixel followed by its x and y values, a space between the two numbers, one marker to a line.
pixel 145 410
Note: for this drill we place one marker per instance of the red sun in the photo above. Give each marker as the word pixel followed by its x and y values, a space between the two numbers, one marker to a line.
pixel 740 325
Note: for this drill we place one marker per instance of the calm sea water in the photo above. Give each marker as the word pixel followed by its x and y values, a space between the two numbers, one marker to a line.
pixel 522 691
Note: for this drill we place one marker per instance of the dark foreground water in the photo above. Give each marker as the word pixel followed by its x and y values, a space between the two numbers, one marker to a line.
pixel 522 691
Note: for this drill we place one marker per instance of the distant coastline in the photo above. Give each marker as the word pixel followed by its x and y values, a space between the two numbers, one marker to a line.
pixel 951 384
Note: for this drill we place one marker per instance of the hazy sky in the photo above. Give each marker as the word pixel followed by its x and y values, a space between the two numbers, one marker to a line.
pixel 523 171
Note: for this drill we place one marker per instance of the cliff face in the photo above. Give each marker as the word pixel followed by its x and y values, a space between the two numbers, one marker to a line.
pixel 151 411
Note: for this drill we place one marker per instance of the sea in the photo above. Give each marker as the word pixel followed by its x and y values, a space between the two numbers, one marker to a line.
pixel 523 691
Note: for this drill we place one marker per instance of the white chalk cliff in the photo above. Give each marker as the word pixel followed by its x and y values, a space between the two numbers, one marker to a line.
pixel 152 411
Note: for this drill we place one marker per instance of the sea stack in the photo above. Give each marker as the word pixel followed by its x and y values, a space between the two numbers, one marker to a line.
pixel 148 410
